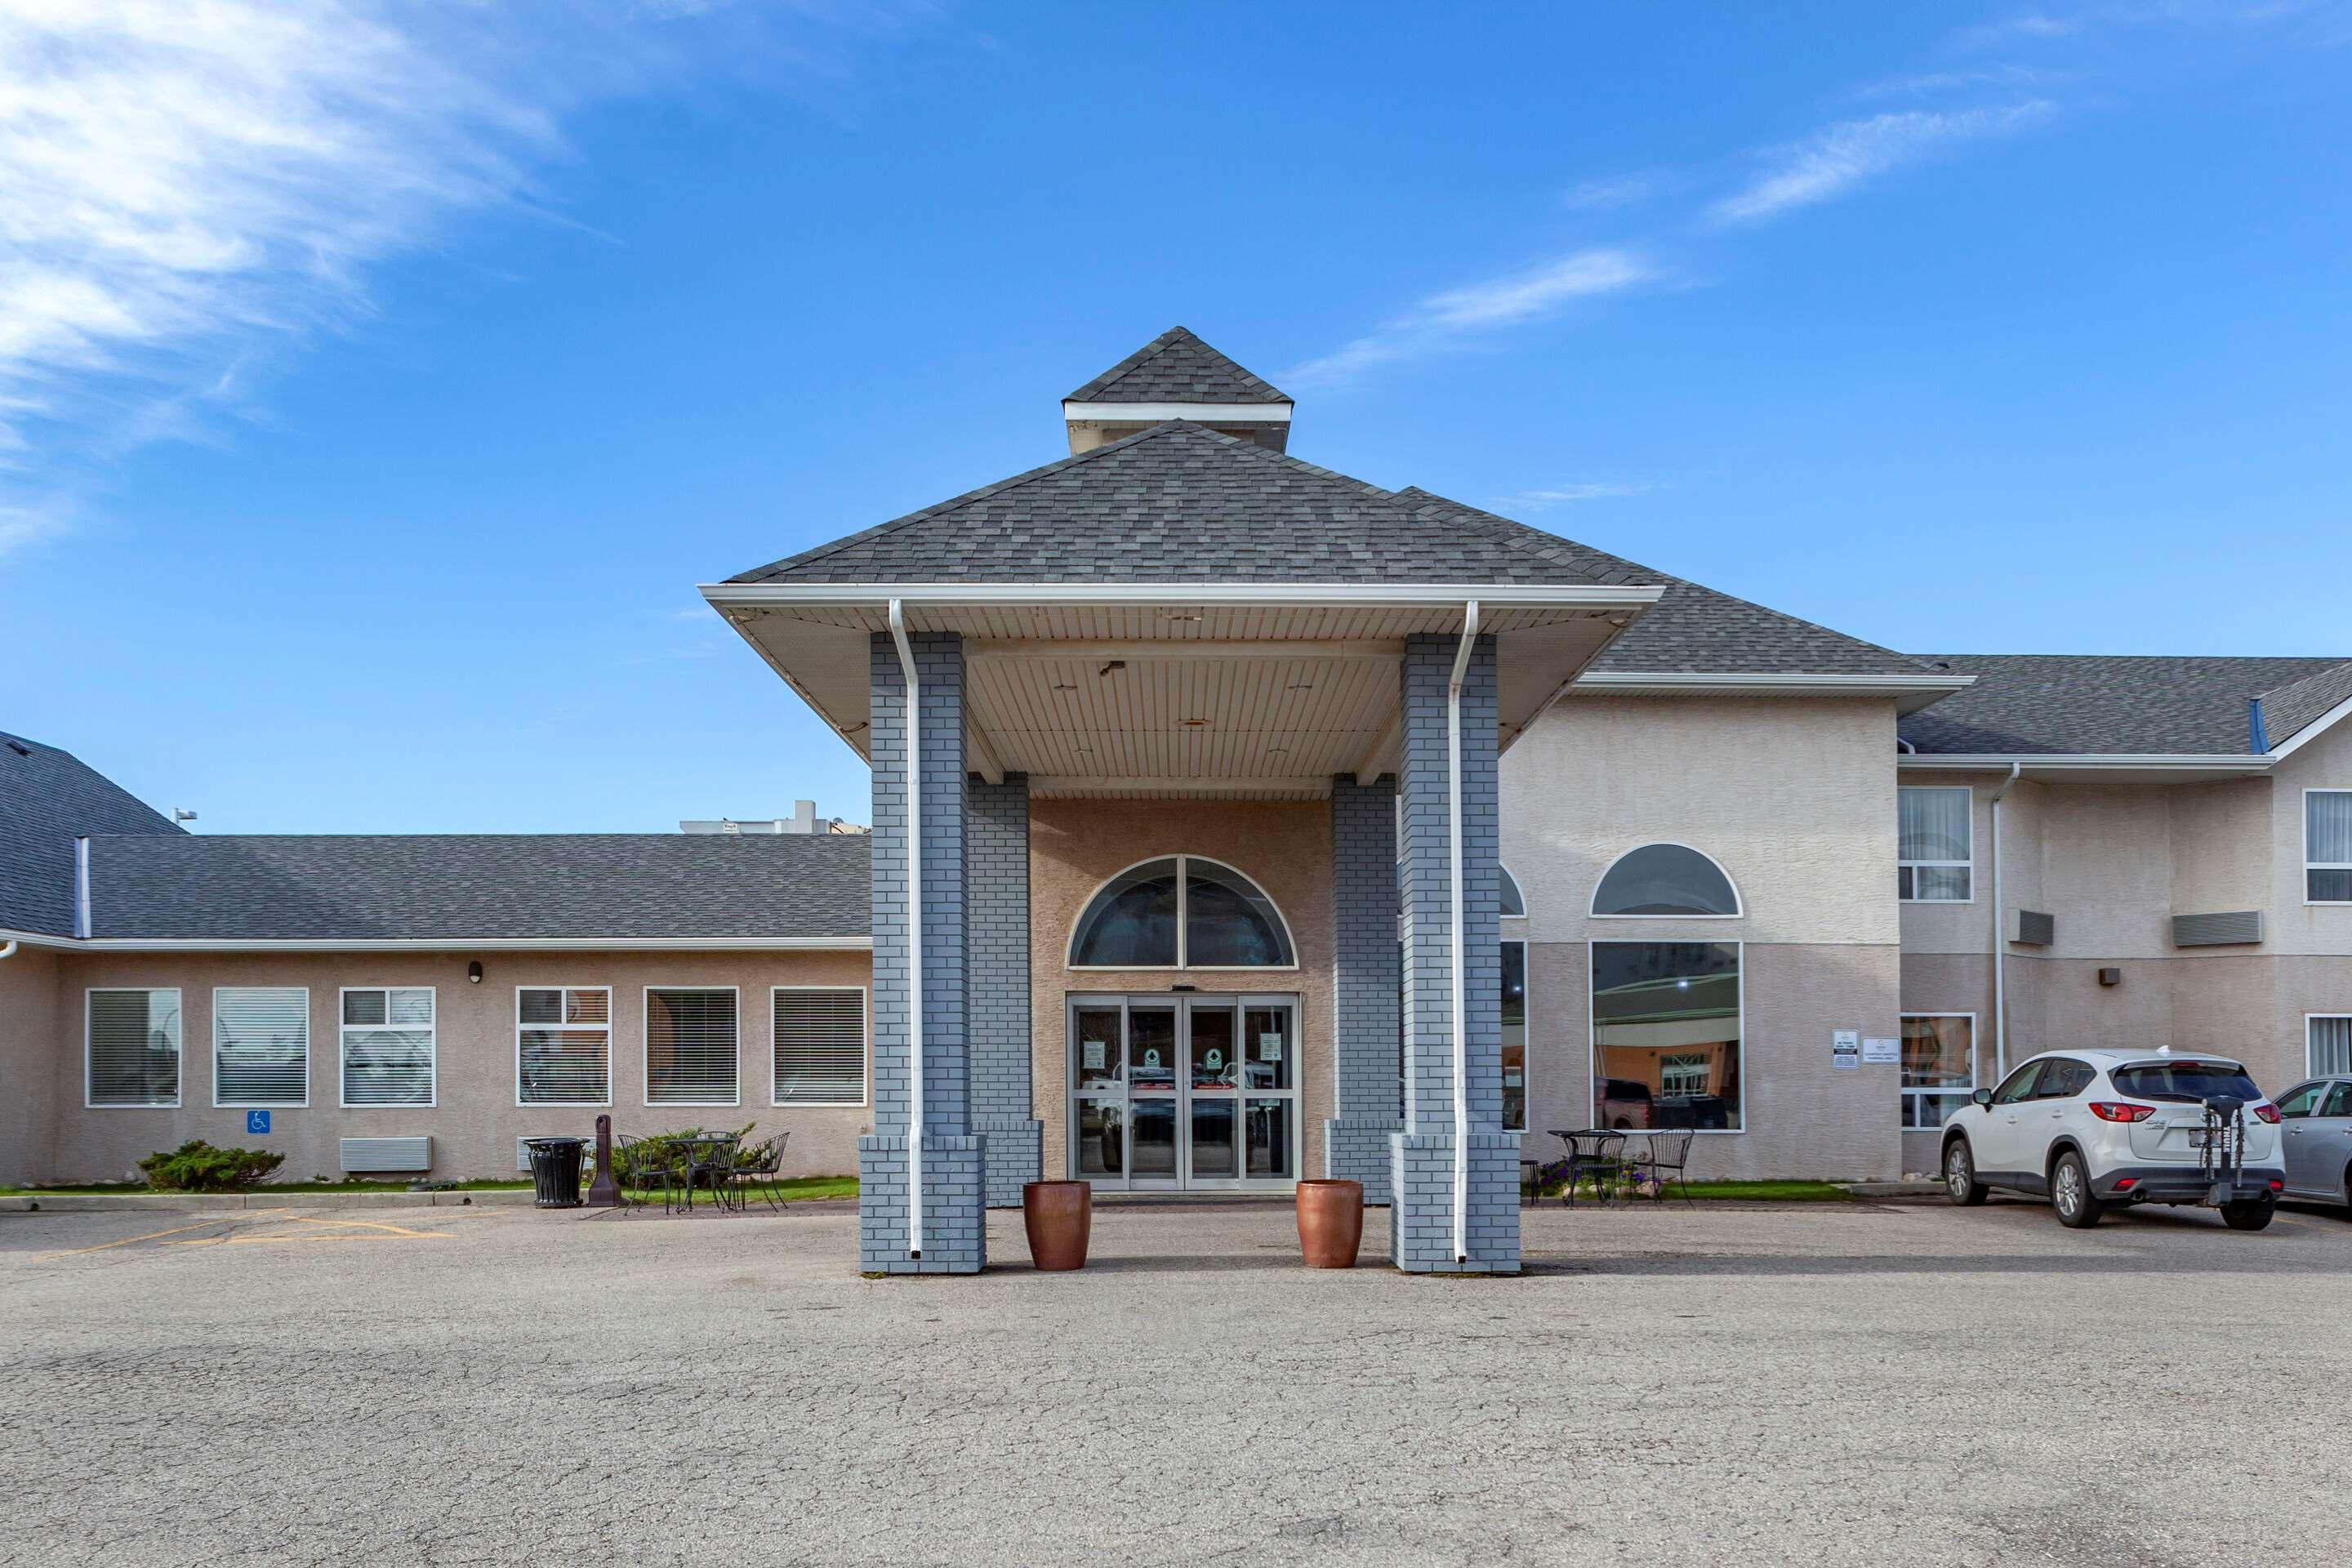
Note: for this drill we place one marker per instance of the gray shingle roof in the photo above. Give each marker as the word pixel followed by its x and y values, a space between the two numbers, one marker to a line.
pixel 2092 704
pixel 1179 503
pixel 1690 627
pixel 49 798
pixel 461 887
pixel 1176 367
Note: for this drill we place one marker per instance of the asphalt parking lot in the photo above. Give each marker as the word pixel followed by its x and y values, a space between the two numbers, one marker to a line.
pixel 1823 1384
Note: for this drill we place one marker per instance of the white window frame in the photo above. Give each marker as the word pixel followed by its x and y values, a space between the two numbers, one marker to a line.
pixel 1972 1086
pixel 2309 865
pixel 2311 1071
pixel 607 1026
pixel 1183 899
pixel 1592 1027
pixel 646 1051
pixel 343 1046
pixel 179 1079
pixel 1738 901
pixel 864 1077
pixel 1970 863
pixel 309 1028
pixel 1526 1025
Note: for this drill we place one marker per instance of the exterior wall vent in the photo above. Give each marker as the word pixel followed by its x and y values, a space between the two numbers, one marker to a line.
pixel 2234 928
pixel 361 1154
pixel 2032 928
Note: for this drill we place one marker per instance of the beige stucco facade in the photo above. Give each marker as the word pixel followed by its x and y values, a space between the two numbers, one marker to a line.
pixel 1076 845
pixel 53 1135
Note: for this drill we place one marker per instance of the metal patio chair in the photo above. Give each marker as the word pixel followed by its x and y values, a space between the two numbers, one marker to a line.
pixel 644 1167
pixel 1668 1157
pixel 758 1168
pixel 1596 1157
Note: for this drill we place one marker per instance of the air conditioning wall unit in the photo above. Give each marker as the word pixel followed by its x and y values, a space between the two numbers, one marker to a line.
pixel 2032 928
pixel 362 1155
pixel 2235 929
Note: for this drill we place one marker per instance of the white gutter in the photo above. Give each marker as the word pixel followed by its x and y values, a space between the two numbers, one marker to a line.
pixel 448 944
pixel 1355 595
pixel 2000 939
pixel 914 721
pixel 1461 982
pixel 2072 762
pixel 9 951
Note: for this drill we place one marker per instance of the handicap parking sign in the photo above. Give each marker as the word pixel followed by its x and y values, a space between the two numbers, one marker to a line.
pixel 257 1121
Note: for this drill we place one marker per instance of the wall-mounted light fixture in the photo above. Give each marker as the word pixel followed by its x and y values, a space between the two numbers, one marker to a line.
pixel 2111 977
pixel 474 972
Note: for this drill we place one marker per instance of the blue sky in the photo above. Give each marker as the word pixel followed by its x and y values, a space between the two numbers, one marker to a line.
pixel 377 381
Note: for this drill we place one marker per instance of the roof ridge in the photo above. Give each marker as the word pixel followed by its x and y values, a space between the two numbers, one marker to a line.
pixel 834 547
pixel 2330 667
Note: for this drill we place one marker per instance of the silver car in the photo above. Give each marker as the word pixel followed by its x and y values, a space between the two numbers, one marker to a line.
pixel 2318 1120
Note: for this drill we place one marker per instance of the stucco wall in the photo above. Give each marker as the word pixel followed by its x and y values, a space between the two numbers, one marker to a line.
pixel 1075 846
pixel 475 1122
pixel 1795 799
pixel 29 1088
pixel 2297 927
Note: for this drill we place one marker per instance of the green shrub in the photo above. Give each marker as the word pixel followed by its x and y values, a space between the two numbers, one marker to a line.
pixel 196 1166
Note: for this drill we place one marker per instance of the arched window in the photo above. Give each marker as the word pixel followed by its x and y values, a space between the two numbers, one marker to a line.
pixel 1664 879
pixel 1513 904
pixel 1180 912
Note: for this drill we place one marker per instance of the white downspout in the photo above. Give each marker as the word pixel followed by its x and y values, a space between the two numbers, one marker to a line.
pixel 2000 940
pixel 1461 999
pixel 914 700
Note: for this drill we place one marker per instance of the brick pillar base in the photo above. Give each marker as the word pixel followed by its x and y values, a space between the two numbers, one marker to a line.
pixel 1356 1149
pixel 1016 1155
pixel 1420 1220
pixel 955 1230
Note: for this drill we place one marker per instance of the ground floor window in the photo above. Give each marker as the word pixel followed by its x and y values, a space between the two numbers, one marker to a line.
pixel 820 1044
pixel 1939 1067
pixel 1665 1036
pixel 2327 1044
pixel 1515 1036
pixel 388 1046
pixel 564 1045
pixel 262 1044
pixel 691 1045
pixel 132 1051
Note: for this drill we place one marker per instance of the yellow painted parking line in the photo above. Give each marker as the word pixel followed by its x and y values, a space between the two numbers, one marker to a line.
pixel 306 1236
pixel 154 1234
pixel 369 1224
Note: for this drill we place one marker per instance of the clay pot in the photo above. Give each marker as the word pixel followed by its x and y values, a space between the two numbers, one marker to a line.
pixel 1059 1216
pixel 1330 1222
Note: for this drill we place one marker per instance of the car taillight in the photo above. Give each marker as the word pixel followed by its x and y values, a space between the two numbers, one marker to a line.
pixel 2267 1113
pixel 2126 1183
pixel 2277 1186
pixel 2121 1110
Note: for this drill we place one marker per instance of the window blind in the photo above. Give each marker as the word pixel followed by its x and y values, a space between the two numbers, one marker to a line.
pixel 2331 1044
pixel 563 1043
pixel 388 1048
pixel 820 1043
pixel 690 1047
pixel 262 1044
pixel 133 1056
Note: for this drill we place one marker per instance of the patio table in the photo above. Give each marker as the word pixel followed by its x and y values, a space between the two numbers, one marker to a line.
pixel 712 1154
pixel 1596 1154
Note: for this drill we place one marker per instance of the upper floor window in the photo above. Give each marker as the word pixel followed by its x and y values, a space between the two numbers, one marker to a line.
pixel 1180 912
pixel 2328 846
pixel 1664 879
pixel 1935 856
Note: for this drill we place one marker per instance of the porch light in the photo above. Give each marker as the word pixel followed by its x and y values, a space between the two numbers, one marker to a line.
pixel 474 972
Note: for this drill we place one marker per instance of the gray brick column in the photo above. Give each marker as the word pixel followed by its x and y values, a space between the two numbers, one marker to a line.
pixel 997 950
pixel 955 1239
pixel 1366 974
pixel 1422 1156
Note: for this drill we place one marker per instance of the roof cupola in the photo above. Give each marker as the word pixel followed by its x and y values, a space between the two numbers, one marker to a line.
pixel 1176 376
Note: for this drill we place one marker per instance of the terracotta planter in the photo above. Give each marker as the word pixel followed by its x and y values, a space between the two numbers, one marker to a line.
pixel 1059 1216
pixel 1330 1222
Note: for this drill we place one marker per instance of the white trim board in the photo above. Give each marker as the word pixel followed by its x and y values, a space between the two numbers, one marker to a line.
pixel 1159 413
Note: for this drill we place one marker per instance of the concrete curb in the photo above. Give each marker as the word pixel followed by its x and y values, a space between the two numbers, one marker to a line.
pixel 1895 1189
pixel 225 1202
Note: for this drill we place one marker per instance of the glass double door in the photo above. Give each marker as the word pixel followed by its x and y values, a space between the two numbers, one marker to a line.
pixel 1180 1092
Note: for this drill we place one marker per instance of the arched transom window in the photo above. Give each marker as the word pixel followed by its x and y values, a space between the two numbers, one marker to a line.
pixel 1180 912
pixel 1664 879
pixel 1513 902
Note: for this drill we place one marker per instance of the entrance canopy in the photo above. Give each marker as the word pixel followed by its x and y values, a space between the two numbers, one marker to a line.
pixel 1185 613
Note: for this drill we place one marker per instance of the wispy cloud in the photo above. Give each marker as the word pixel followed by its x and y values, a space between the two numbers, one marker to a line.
pixel 1568 495
pixel 1840 157
pixel 1928 84
pixel 190 188
pixel 1616 192
pixel 1457 318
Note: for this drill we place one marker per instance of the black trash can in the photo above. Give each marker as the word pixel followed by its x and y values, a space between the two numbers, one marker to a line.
pixel 555 1170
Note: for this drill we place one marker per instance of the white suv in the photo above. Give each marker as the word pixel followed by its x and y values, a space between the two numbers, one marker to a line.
pixel 2092 1128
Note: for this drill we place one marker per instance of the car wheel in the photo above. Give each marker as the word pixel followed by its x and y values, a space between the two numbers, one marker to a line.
pixel 2069 1194
pixel 1960 1183
pixel 2253 1216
